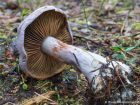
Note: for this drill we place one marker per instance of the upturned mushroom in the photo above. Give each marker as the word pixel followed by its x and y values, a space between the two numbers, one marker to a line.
pixel 44 42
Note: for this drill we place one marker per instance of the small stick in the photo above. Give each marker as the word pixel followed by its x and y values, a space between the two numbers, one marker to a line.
pixel 45 97
pixel 109 86
pixel 117 88
pixel 77 36
pixel 43 85
pixel 88 46
pixel 76 59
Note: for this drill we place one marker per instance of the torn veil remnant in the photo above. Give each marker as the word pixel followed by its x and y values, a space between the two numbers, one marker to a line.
pixel 43 41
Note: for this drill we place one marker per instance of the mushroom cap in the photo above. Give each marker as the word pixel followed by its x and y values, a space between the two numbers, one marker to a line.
pixel 43 22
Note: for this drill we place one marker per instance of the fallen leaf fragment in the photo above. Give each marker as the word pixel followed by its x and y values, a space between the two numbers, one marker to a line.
pixel 10 53
pixel 1 65
pixel 40 98
pixel 9 21
pixel 65 92
pixel 4 17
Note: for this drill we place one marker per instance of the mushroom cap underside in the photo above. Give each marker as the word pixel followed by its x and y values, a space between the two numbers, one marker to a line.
pixel 38 64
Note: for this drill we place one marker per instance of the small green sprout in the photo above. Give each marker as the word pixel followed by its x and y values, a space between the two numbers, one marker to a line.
pixel 75 28
pixel 85 13
pixel 24 12
pixel 24 86
pixel 117 48
pixel 57 95
pixel 117 56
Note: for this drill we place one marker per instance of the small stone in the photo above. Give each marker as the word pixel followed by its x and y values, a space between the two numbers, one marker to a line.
pixel 85 30
pixel 94 26
pixel 18 14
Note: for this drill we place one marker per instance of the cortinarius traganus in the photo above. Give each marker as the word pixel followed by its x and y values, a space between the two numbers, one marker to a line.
pixel 42 41
pixel 45 21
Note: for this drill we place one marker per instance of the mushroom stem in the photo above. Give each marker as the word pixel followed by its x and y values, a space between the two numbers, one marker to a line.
pixel 84 61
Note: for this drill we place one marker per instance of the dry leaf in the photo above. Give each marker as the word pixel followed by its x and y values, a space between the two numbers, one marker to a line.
pixel 8 21
pixel 39 98
pixel 10 53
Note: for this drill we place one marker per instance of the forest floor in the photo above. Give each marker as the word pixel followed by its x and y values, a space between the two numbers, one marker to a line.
pixel 113 31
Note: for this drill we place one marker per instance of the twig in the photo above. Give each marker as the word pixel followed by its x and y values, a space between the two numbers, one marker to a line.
pixel 137 72
pixel 43 85
pixel 45 97
pixel 76 59
pixel 94 70
pixel 77 93
pixel 22 78
pixel 117 88
pixel 135 34
pixel 135 68
pixel 125 58
pixel 88 46
pixel 77 36
pixel 109 88
pixel 90 84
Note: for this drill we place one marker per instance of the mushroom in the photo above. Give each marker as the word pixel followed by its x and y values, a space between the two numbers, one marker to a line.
pixel 44 42
pixel 44 22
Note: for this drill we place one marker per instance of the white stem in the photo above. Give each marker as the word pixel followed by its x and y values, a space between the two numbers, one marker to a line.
pixel 84 61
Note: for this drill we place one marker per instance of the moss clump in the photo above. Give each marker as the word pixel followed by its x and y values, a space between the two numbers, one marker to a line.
pixel 136 25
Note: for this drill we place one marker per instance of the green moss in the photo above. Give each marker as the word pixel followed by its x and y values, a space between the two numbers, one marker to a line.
pixel 75 28
pixel 138 90
pixel 3 36
pixel 136 25
pixel 80 21
pixel 67 67
pixel 4 73
pixel 117 9
pixel 43 89
pixel 25 100
pixel 40 82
